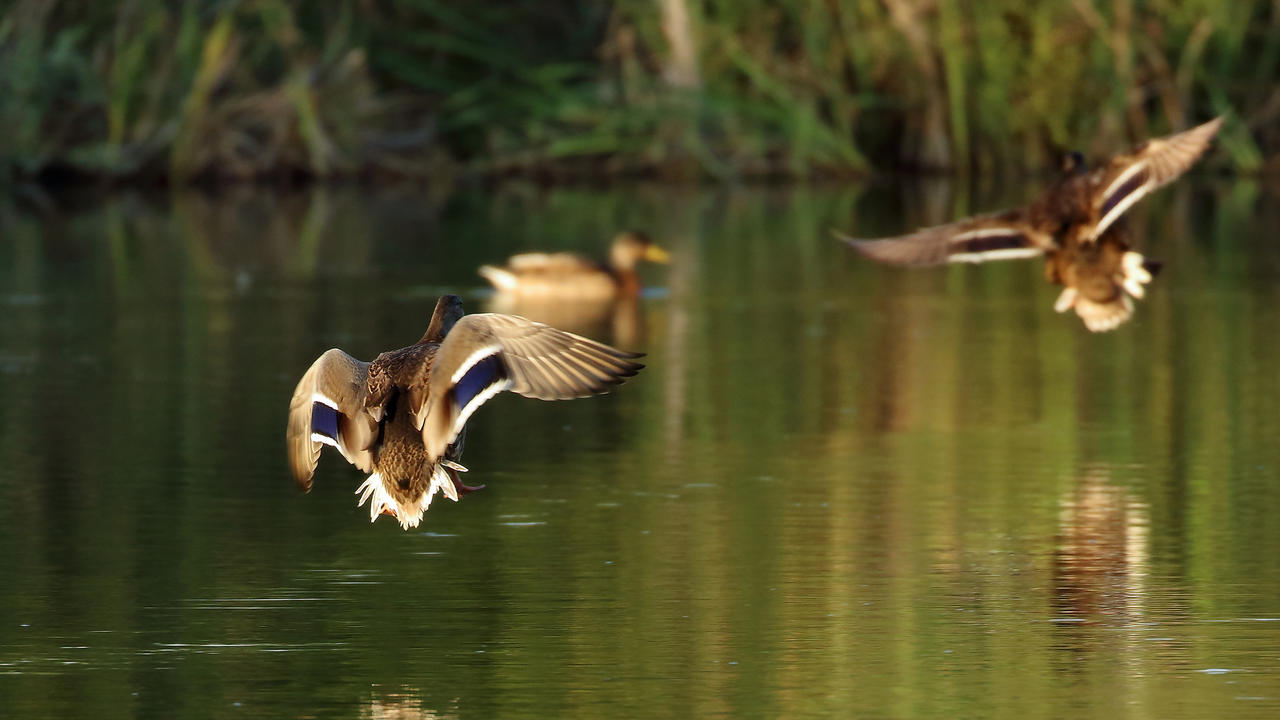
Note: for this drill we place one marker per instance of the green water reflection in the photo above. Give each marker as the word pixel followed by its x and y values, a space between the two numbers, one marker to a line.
pixel 838 489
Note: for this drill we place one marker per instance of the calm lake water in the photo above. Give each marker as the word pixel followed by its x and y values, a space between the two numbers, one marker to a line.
pixel 838 489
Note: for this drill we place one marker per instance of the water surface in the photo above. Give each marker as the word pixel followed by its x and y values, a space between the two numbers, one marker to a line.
pixel 838 488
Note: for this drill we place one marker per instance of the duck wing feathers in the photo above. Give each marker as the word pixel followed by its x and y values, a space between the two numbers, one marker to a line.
pixel 485 354
pixel 328 408
pixel 541 268
pixel 551 262
pixel 998 236
pixel 1128 178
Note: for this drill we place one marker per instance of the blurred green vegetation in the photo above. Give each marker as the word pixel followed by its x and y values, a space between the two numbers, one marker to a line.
pixel 573 88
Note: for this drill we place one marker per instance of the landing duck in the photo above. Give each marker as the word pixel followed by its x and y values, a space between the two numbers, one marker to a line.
pixel 402 418
pixel 569 276
pixel 1077 225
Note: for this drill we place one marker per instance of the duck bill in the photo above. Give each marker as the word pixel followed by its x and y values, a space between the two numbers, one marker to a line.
pixel 655 254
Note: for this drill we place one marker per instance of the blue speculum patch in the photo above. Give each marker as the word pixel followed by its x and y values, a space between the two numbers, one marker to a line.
pixel 324 420
pixel 481 375
pixel 992 243
pixel 1123 191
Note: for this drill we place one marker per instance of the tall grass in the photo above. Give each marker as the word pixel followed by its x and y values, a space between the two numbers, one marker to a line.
pixel 564 88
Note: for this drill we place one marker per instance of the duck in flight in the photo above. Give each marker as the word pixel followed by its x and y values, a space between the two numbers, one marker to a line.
pixel 1077 224
pixel 402 418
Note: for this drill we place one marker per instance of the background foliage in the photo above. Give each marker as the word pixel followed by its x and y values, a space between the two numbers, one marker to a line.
pixel 571 88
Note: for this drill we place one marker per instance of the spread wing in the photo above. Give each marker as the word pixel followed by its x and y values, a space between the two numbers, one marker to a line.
pixel 485 354
pixel 1128 178
pixel 328 409
pixel 1000 236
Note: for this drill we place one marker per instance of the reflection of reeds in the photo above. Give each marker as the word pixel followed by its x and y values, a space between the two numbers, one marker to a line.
pixel 721 87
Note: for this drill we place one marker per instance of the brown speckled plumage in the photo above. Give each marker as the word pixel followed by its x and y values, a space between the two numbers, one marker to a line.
pixel 403 416
pixel 400 457
pixel 1077 224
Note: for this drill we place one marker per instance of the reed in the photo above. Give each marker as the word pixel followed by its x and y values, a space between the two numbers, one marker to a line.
pixel 571 88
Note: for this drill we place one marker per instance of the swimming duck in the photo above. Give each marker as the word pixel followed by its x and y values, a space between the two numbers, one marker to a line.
pixel 403 416
pixel 573 277
pixel 1077 224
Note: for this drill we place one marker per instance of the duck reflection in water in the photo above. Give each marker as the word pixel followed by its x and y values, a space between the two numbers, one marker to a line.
pixel 575 293
pixel 1100 559
pixel 1077 225
pixel 619 320
pixel 403 416
pixel 404 704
